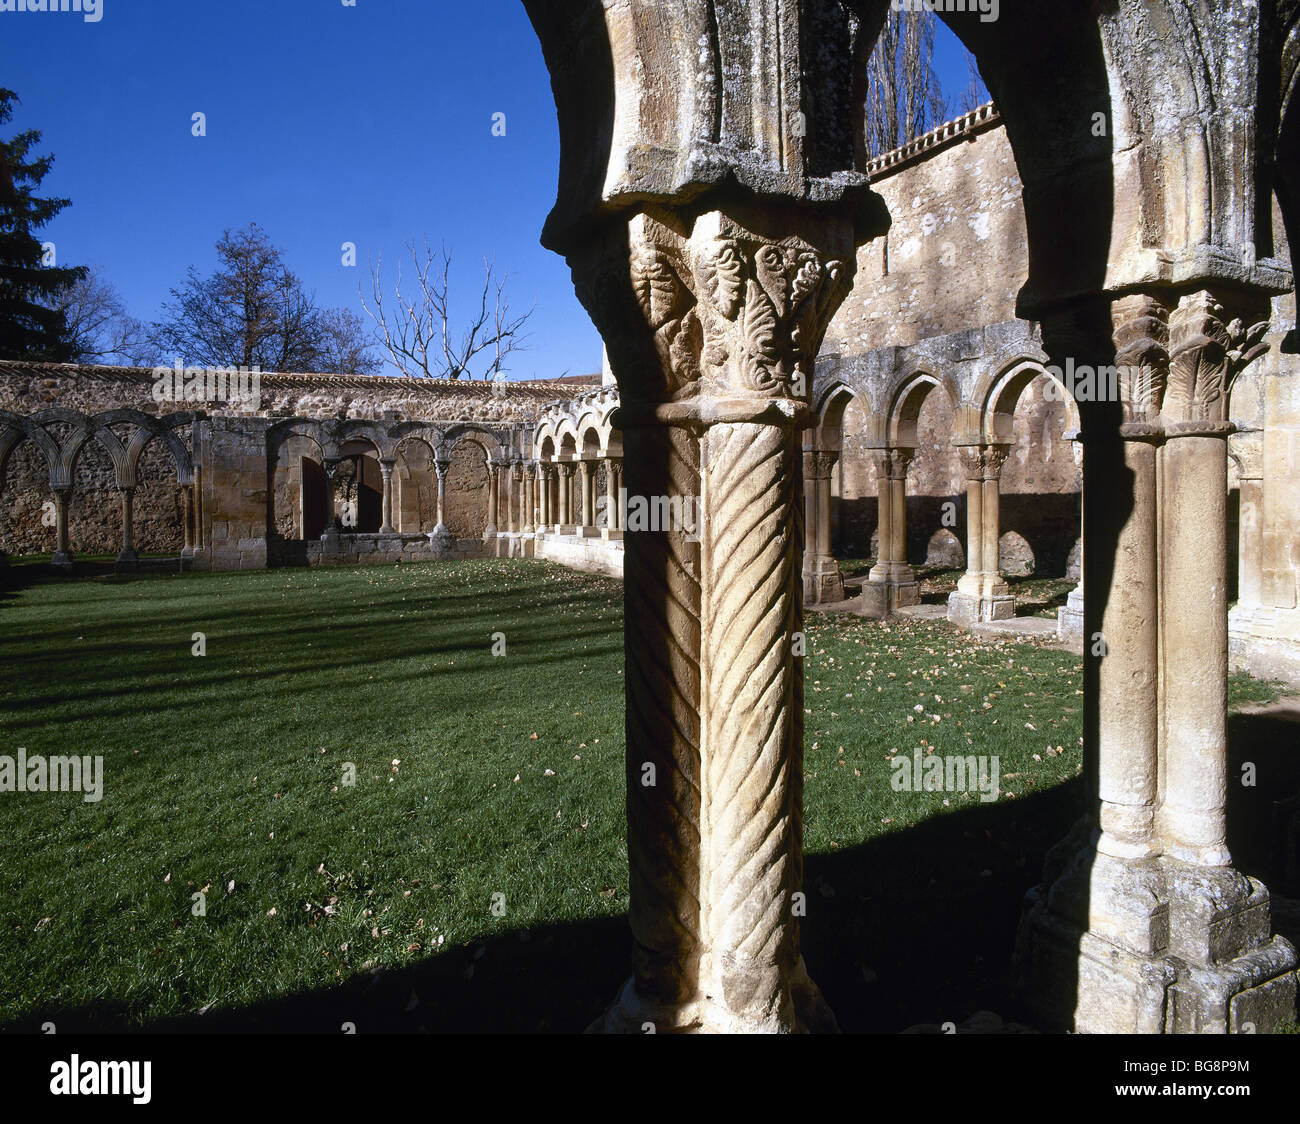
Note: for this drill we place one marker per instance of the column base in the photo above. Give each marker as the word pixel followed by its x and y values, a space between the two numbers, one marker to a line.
pixel 822 582
pixel 632 1014
pixel 490 531
pixel 967 609
pixel 128 556
pixel 611 534
pixel 1150 946
pixel 62 559
pixel 879 599
pixel 440 539
pixel 1069 619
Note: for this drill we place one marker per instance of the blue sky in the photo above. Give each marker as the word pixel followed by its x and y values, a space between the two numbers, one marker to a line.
pixel 326 124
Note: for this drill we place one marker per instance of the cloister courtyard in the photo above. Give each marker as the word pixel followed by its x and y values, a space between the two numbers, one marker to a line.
pixel 475 875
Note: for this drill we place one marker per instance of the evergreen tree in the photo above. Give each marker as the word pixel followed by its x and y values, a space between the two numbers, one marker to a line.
pixel 33 326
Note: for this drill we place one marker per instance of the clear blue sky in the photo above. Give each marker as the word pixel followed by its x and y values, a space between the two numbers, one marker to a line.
pixel 325 124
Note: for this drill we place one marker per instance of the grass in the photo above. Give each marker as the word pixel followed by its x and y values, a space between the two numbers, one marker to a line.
pixel 475 775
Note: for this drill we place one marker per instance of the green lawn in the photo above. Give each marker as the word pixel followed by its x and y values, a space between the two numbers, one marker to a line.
pixel 476 775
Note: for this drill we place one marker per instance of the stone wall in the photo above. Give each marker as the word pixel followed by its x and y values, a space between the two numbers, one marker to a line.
pixel 260 499
pixel 956 254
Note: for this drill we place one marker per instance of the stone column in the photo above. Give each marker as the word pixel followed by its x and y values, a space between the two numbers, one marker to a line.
pixel 882 570
pixel 585 497
pixel 611 499
pixel 821 572
pixel 494 500
pixel 715 700
pixel 440 526
pixel 62 553
pixel 1069 618
pixel 544 483
pixel 128 552
pixel 964 602
pixel 892 582
pixel 530 475
pixel 996 600
pixel 333 529
pixel 1126 647
pixel 187 519
pixel 386 522
pixel 899 462
pixel 618 492
pixel 1250 528
pixel 1141 923
pixel 566 498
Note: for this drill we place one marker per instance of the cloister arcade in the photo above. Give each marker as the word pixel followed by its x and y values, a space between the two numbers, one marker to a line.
pixel 123 449
pixel 579 468
pixel 981 402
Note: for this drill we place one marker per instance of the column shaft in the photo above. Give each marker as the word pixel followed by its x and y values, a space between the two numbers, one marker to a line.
pixel 127 553
pixel 1128 728
pixel 1195 648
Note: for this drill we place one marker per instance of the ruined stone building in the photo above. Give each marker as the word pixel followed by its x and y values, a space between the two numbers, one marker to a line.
pixel 1059 336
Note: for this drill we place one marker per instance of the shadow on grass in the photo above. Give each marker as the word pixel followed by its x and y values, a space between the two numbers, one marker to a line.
pixel 912 927
pixel 917 926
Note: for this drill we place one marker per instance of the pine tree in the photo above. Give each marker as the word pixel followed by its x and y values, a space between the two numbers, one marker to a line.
pixel 32 325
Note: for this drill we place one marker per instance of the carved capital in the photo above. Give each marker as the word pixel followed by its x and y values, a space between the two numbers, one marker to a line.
pixel 1141 326
pixel 1206 355
pixel 972 461
pixel 897 462
pixel 994 457
pixel 819 463
pixel 714 307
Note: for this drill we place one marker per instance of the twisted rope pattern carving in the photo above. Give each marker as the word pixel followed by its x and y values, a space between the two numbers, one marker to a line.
pixel 662 645
pixel 752 554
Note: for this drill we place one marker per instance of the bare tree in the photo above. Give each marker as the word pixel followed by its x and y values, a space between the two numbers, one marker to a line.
pixel 975 93
pixel 904 98
pixel 99 327
pixel 416 327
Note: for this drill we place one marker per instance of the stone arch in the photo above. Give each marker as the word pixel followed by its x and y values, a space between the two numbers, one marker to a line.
pixel 1039 482
pixel 297 493
pixel 358 483
pixel 544 441
pixel 374 434
pixel 467 487
pixel 17 428
pixel 1003 396
pixel 591 443
pixel 492 446
pixel 146 428
pixel 415 482
pixel 907 401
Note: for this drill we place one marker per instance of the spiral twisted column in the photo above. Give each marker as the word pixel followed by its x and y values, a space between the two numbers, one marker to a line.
pixel 713 324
